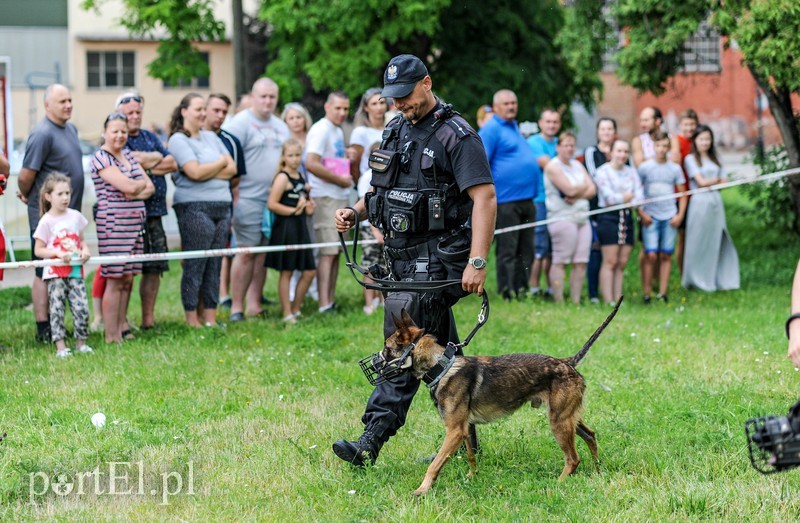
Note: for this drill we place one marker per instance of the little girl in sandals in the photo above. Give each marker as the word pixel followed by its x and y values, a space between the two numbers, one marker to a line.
pixel 290 202
pixel 60 235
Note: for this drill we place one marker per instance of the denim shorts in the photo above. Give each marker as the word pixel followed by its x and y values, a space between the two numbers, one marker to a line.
pixel 541 239
pixel 659 236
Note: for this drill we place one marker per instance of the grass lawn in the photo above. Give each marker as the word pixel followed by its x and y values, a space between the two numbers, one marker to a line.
pixel 243 417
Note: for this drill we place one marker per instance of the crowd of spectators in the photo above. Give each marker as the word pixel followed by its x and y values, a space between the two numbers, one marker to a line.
pixel 226 169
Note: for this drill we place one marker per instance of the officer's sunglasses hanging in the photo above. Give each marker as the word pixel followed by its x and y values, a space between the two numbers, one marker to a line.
pixel 406 155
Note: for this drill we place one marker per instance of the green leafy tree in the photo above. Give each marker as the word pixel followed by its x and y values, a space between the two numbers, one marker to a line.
pixel 177 25
pixel 765 32
pixel 548 55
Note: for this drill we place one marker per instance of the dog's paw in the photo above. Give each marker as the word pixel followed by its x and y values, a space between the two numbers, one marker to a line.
pixel 420 492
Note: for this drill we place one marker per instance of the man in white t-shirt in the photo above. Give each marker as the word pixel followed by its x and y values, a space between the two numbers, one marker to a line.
pixel 331 175
pixel 262 135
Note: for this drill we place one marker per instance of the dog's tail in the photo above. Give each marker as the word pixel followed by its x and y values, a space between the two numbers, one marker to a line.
pixel 575 360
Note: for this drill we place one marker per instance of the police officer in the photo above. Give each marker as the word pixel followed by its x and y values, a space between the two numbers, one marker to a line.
pixel 434 199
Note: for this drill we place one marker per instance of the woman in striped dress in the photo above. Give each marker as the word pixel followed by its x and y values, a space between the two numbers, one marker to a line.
pixel 121 186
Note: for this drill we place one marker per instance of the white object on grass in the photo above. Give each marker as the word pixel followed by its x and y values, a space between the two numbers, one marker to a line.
pixel 99 420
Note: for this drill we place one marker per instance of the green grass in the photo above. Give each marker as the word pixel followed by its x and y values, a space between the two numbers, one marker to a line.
pixel 254 408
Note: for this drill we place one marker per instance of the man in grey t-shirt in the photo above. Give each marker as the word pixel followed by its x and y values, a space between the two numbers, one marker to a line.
pixel 52 146
pixel 262 135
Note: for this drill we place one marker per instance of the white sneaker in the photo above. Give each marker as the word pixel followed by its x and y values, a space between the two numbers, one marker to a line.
pixel 85 349
pixel 66 353
pixel 96 326
pixel 368 310
pixel 290 319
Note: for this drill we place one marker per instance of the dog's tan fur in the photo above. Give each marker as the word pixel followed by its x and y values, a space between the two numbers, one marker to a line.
pixel 482 389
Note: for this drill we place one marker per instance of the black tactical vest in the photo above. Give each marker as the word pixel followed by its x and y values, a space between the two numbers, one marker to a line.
pixel 413 196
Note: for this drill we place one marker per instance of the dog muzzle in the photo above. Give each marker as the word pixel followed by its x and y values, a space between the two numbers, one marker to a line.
pixel 774 443
pixel 378 370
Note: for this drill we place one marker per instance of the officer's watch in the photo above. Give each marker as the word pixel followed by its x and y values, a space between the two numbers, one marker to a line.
pixel 478 262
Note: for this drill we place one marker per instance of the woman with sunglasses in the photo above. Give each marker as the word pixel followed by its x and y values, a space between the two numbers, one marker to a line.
pixel 121 187
pixel 202 203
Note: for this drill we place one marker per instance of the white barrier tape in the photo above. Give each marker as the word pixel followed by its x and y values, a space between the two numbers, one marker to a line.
pixel 178 255
pixel 742 181
pixel 187 255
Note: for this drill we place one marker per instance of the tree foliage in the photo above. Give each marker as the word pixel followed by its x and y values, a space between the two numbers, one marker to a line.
pixel 344 44
pixel 177 25
pixel 550 55
pixel 472 51
pixel 765 32
pixel 655 34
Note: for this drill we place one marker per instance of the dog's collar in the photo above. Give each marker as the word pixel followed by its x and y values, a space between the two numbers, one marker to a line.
pixel 436 372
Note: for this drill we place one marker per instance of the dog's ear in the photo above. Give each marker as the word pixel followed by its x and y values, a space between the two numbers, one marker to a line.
pixel 407 320
pixel 397 322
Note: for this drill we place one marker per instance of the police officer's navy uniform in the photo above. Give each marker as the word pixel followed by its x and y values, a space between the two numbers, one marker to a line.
pixel 425 216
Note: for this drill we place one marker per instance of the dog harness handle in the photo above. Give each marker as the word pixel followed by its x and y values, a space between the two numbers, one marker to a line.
pixel 435 373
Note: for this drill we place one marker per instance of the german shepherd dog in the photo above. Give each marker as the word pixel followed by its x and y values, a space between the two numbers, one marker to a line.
pixel 482 389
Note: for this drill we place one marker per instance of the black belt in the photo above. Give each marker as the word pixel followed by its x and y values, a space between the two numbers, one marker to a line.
pixel 386 285
pixel 420 250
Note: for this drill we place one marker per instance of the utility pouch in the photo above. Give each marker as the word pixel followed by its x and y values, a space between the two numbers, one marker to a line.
pixel 384 165
pixel 373 202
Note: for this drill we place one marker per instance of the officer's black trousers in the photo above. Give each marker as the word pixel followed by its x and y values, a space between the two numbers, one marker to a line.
pixel 387 407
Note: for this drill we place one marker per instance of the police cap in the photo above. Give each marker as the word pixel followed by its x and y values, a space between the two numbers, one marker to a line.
pixel 401 75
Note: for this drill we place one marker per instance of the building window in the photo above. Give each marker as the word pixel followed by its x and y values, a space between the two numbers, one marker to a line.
pixel 198 82
pixel 702 51
pixel 110 69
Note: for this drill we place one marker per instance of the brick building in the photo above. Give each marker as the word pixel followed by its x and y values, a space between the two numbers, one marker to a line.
pixel 715 83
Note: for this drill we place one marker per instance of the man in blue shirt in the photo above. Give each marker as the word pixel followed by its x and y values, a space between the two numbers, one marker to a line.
pixel 156 160
pixel 515 172
pixel 544 148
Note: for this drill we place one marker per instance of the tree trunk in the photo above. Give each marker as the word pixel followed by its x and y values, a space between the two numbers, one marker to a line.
pixel 780 105
pixel 239 58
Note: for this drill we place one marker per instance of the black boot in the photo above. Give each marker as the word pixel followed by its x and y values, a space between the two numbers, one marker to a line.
pixel 359 452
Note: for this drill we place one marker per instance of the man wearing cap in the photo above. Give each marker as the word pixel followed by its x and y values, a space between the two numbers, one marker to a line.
pixel 437 211
pixel 157 161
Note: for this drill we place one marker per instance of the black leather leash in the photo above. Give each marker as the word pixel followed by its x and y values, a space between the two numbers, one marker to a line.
pixel 386 285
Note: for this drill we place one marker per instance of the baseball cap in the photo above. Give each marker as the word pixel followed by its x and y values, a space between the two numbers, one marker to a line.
pixel 401 75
